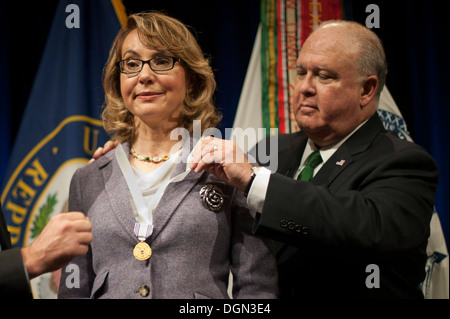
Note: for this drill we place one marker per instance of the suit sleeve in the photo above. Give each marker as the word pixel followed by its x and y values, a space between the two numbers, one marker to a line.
pixel 374 206
pixel 253 262
pixel 13 278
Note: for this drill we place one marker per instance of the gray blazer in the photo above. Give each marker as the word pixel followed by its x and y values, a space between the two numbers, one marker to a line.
pixel 193 248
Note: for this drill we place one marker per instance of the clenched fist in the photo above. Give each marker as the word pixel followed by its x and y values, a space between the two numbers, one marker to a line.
pixel 65 237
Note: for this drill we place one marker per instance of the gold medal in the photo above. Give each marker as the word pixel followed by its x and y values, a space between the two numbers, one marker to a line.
pixel 142 251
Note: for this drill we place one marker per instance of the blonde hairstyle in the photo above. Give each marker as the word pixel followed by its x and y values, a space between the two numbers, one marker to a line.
pixel 160 32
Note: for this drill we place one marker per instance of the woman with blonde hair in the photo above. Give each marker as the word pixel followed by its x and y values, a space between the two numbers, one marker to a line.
pixel 161 230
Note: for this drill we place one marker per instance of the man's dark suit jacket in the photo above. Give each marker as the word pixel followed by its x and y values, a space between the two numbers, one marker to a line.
pixel 13 279
pixel 370 203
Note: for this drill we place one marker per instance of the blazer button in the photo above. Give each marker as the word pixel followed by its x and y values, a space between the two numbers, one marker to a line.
pixel 291 225
pixel 144 291
pixel 283 223
pixel 306 231
pixel 298 228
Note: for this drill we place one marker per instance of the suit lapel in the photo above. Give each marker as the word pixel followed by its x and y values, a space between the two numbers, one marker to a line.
pixel 290 153
pixel 173 195
pixel 119 194
pixel 335 165
pixel 175 192
pixel 344 156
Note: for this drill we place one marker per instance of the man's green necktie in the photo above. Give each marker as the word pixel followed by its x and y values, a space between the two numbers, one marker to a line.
pixel 307 173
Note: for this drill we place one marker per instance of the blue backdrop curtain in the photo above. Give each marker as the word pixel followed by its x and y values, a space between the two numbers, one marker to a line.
pixel 415 35
pixel 428 55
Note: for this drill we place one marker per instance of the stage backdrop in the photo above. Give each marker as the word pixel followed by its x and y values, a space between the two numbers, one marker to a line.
pixel 61 126
pixel 412 33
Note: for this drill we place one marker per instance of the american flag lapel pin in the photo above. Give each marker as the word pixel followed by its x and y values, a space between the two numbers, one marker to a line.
pixel 340 162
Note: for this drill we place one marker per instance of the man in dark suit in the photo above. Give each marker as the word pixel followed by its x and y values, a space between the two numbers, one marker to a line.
pixel 66 236
pixel 350 203
pixel 13 278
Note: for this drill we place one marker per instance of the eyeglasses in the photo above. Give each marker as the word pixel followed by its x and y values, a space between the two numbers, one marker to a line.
pixel 158 63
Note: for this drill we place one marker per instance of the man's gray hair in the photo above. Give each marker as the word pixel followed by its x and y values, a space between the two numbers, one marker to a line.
pixel 372 57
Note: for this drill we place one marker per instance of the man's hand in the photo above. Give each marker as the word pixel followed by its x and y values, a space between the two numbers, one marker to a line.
pixel 224 159
pixel 103 150
pixel 65 237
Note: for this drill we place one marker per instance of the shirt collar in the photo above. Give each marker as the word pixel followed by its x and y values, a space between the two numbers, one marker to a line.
pixel 326 153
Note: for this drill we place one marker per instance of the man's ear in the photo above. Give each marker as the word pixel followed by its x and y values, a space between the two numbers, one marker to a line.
pixel 368 90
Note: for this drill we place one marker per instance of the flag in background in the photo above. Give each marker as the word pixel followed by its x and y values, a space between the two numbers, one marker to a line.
pixel 285 25
pixel 4 91
pixel 265 100
pixel 61 126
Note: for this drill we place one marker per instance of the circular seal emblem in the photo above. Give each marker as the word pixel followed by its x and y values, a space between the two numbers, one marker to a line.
pixel 393 122
pixel 38 187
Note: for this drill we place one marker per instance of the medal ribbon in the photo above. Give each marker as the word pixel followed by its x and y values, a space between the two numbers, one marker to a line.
pixel 142 231
pixel 145 228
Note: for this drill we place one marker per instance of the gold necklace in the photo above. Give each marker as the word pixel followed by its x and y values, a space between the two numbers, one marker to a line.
pixel 155 159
